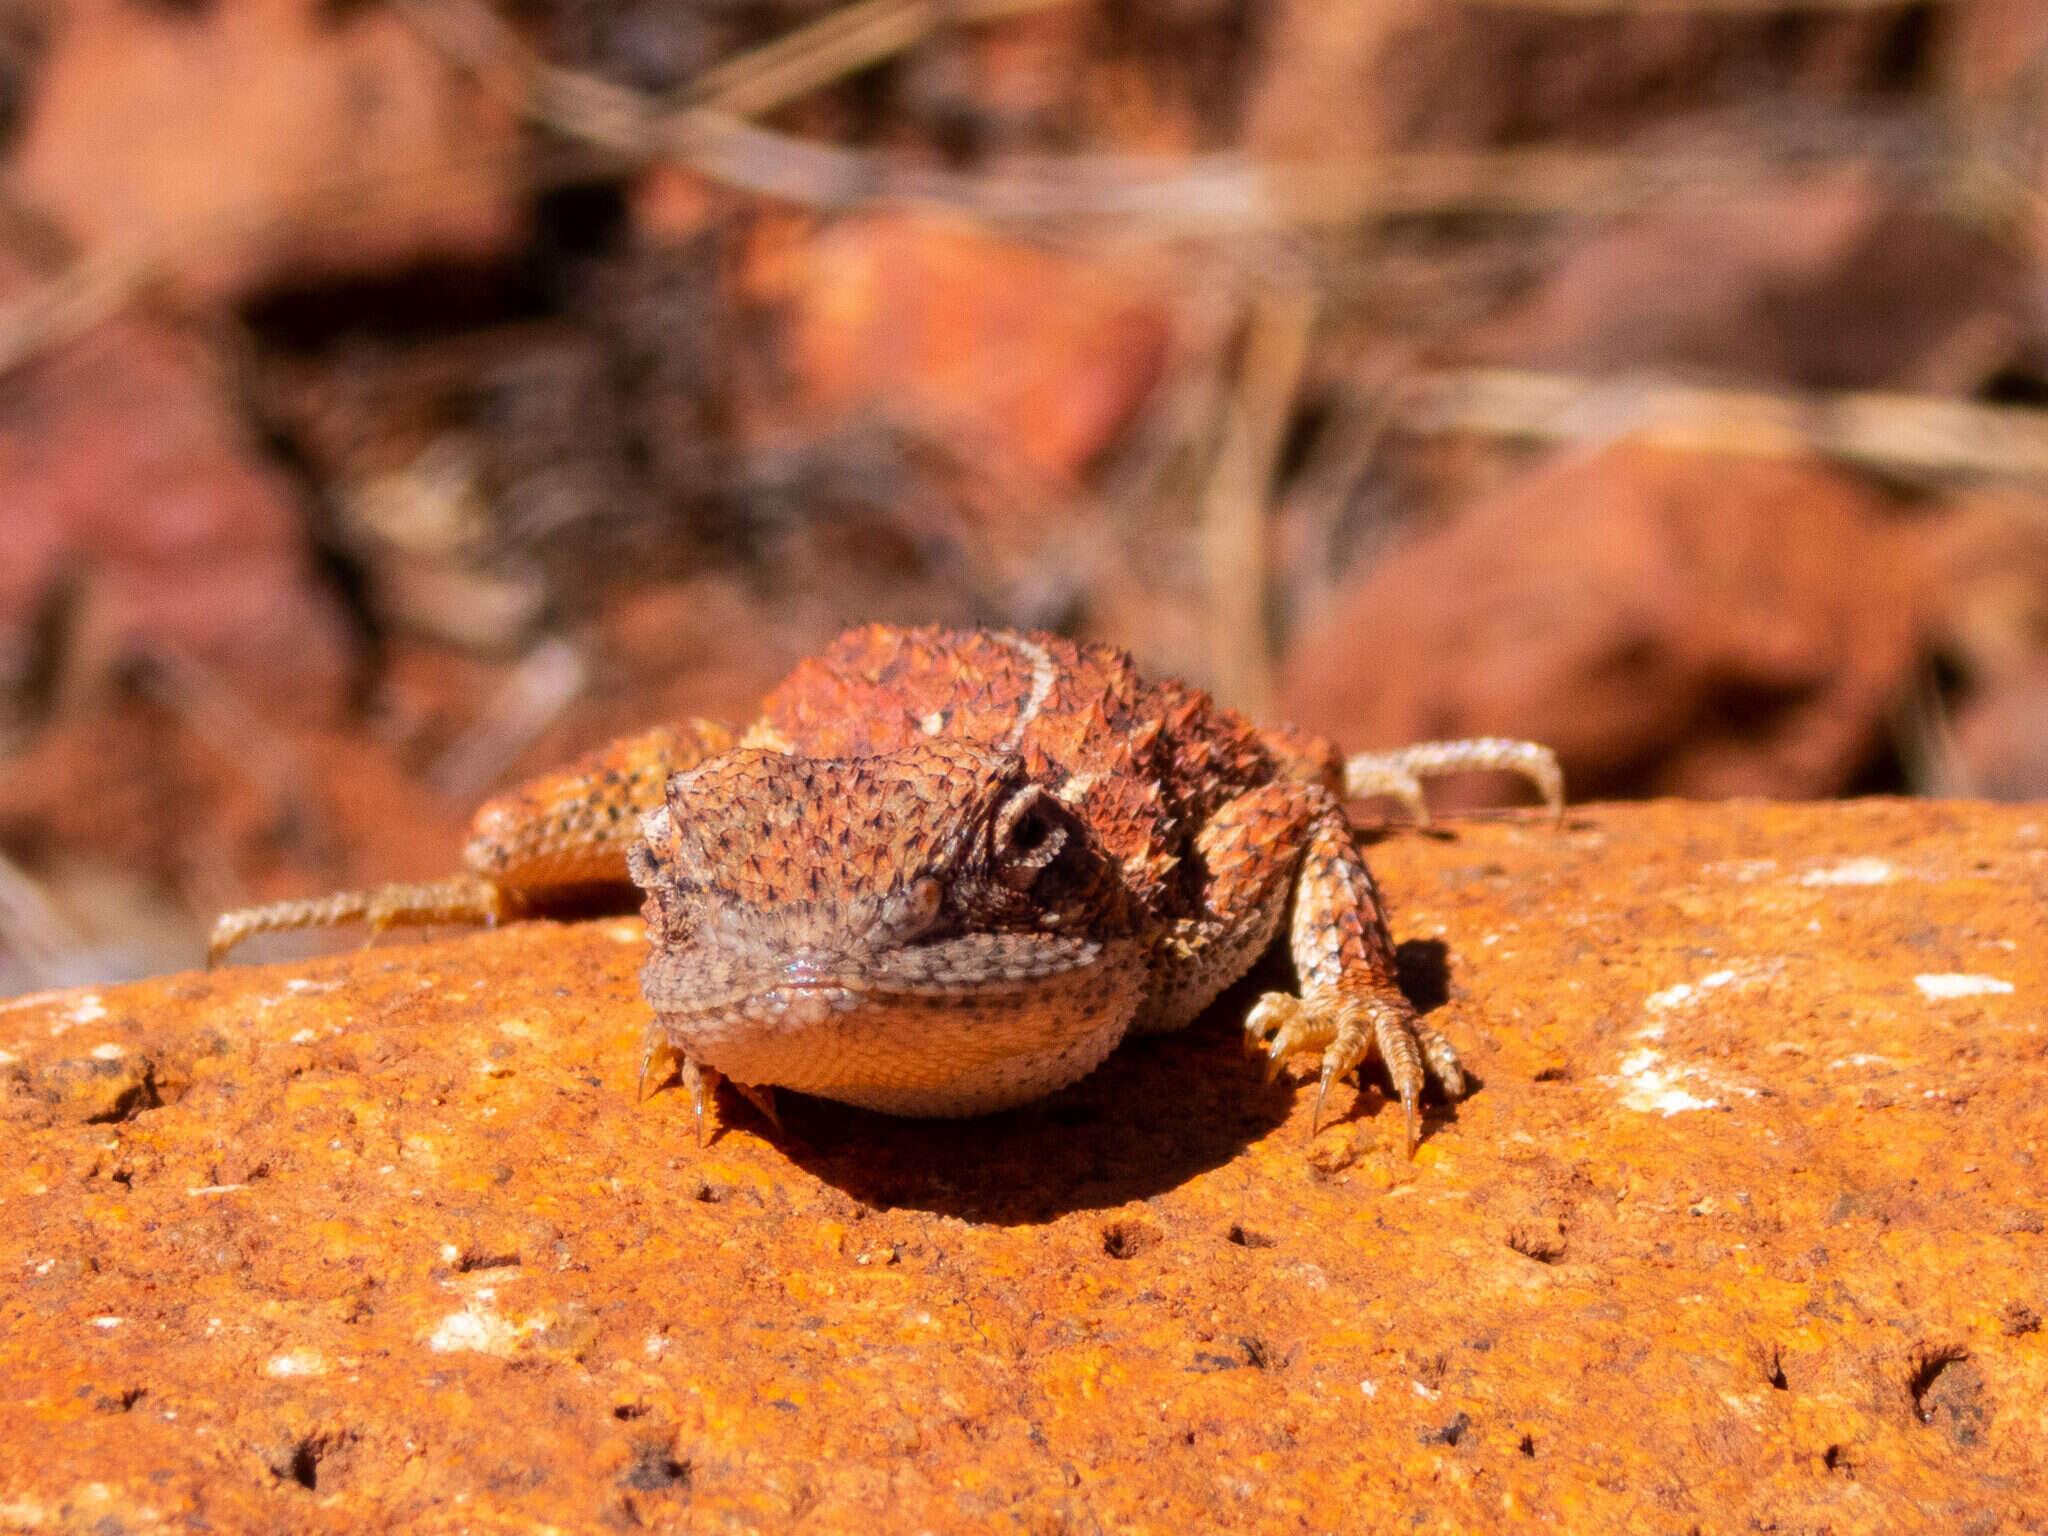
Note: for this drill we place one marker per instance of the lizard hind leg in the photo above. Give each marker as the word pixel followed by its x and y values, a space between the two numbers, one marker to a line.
pixel 1399 775
pixel 463 899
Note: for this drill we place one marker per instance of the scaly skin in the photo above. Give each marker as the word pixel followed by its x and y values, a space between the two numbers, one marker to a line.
pixel 947 871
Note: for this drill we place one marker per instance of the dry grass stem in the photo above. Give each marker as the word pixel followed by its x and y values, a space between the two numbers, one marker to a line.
pixel 544 683
pixel 38 937
pixel 1896 434
pixel 1234 505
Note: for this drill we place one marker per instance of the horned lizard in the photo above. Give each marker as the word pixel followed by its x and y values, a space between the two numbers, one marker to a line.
pixel 947 871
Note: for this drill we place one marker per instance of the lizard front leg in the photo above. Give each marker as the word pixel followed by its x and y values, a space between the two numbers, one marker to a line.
pixel 531 850
pixel 1290 838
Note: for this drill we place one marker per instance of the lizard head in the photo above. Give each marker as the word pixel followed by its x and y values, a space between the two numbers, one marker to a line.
pixel 926 931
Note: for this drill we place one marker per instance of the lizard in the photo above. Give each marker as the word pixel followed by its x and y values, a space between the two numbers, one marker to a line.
pixel 947 871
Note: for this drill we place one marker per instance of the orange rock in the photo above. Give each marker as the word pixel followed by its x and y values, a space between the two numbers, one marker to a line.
pixel 1989 558
pixel 1817 280
pixel 129 477
pixel 1744 1226
pixel 258 137
pixel 1668 623
pixel 2002 737
pixel 1344 78
pixel 1045 356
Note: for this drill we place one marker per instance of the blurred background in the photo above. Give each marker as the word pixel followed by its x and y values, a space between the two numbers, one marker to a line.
pixel 400 396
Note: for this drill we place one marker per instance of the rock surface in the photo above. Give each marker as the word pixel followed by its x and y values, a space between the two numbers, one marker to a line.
pixel 1742 1228
pixel 274 138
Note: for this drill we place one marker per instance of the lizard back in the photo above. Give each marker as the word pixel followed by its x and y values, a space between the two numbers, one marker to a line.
pixel 1142 761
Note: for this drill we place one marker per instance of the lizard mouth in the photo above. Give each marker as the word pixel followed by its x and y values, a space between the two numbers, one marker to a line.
pixel 965 971
pixel 960 1027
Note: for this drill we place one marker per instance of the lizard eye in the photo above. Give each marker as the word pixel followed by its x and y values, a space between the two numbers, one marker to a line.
pixel 1029 834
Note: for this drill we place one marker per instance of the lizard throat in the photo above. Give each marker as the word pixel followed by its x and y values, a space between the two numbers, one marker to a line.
pixel 946 1032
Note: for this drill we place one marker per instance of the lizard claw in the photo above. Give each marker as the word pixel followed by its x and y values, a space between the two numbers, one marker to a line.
pixel 654 1046
pixel 1276 1028
pixel 701 1083
pixel 1348 1028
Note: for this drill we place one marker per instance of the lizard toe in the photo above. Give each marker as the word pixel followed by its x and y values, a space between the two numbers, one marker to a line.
pixel 1281 1025
pixel 1442 1058
pixel 1348 1029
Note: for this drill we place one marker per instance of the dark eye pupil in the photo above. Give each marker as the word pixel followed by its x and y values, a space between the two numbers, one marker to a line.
pixel 1028 833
